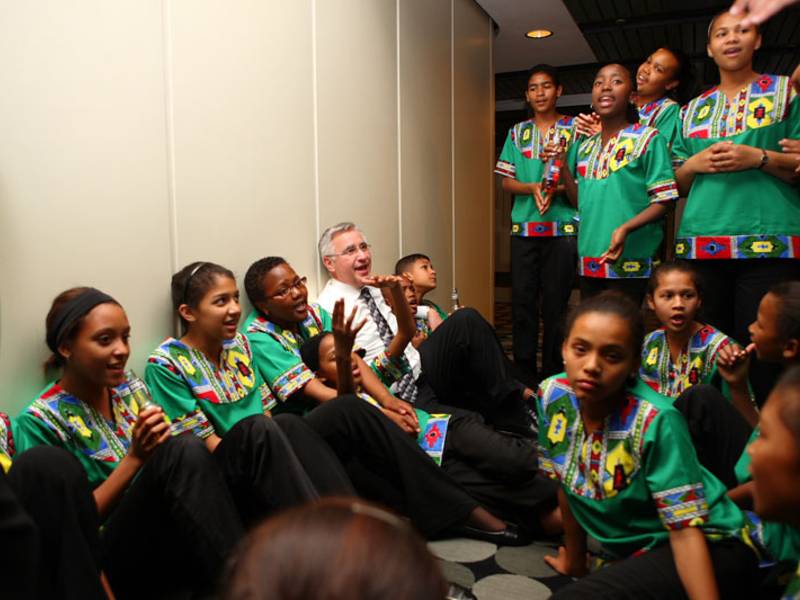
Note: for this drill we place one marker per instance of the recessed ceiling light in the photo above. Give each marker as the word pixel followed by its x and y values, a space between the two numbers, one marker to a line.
pixel 538 34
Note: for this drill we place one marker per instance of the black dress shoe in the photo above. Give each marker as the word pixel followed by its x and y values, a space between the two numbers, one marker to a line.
pixel 510 536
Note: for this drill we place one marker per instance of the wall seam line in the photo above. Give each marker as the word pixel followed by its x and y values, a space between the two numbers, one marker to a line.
pixel 315 120
pixel 169 117
pixel 453 144
pixel 399 140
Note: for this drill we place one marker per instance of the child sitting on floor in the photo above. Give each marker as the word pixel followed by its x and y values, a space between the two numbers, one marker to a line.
pixel 426 318
pixel 423 275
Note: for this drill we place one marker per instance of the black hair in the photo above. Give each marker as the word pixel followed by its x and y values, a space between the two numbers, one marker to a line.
pixel 789 410
pixel 254 278
pixel 613 303
pixel 548 70
pixel 788 295
pixel 631 110
pixel 309 351
pixel 669 266
pixel 193 281
pixel 402 265
pixel 684 74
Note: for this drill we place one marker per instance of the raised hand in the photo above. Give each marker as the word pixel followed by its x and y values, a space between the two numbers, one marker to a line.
pixel 150 431
pixel 344 333
pixel 587 125
pixel 384 281
pixel 733 363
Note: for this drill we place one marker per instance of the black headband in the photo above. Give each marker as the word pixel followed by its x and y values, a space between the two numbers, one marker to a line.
pixel 71 311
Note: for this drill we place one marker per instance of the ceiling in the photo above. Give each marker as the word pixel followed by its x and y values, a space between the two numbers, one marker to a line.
pixel 589 33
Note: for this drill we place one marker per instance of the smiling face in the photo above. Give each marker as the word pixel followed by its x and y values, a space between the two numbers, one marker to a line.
pixel 611 91
pixel 542 93
pixel 599 356
pixel 351 259
pixel 656 76
pixel 99 350
pixel 775 460
pixel 675 300
pixel 217 314
pixel 286 296
pixel 731 45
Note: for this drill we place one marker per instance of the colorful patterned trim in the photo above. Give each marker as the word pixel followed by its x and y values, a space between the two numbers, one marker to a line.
pixel 432 438
pixel 268 400
pixel 624 268
pixel 648 114
pixel 663 191
pixel 194 422
pixel 683 506
pixel 311 326
pixel 291 381
pixel 389 370
pixel 544 229
pixel 597 161
pixel 738 247
pixel 506 169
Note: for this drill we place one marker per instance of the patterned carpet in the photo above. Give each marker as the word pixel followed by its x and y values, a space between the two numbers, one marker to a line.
pixel 499 574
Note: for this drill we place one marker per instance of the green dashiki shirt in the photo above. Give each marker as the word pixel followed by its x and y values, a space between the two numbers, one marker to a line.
pixel 697 364
pixel 663 114
pixel 744 214
pixel 615 183
pixel 792 591
pixel 200 398
pixel 520 160
pixel 633 482
pixel 436 307
pixel 6 441
pixel 57 418
pixel 433 430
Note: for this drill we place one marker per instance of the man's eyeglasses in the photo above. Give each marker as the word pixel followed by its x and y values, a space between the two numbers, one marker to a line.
pixel 353 250
pixel 298 284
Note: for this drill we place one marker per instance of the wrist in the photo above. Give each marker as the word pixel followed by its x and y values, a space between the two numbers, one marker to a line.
pixel 761 158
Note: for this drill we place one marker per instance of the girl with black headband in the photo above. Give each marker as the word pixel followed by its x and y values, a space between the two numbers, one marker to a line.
pixel 163 499
pixel 209 385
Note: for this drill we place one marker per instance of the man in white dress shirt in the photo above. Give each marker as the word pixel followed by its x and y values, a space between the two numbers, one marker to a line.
pixel 461 365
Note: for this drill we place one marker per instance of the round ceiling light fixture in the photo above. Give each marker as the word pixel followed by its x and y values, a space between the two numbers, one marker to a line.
pixel 538 34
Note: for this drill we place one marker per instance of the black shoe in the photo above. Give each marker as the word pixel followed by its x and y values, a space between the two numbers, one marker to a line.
pixel 457 592
pixel 510 536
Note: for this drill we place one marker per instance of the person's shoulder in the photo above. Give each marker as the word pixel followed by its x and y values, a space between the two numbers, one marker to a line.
pixel 167 351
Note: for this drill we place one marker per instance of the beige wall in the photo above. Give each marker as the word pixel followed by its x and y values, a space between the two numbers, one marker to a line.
pixel 141 135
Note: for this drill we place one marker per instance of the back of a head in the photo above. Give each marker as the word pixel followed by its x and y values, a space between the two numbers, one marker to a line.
pixel 335 549
pixel 788 295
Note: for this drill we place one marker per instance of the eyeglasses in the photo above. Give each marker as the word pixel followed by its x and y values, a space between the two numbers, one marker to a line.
pixel 353 250
pixel 298 284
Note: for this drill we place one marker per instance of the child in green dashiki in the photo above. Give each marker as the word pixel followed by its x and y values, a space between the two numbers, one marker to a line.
pixel 423 275
pixel 629 475
pixel 281 321
pixel 622 183
pixel 147 485
pixel 741 224
pixel 775 467
pixel 685 351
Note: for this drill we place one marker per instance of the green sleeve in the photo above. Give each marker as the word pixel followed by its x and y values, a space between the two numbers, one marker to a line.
pixel 668 122
pixel 31 431
pixel 673 473
pixel 572 157
pixel 659 176
pixel 680 149
pixel 170 391
pixel 509 157
pixel 281 368
pixel 327 320
pixel 794 116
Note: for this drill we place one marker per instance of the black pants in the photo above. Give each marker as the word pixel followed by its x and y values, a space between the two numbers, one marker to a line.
pixel 543 271
pixel 51 549
pixel 653 576
pixel 390 465
pixel 463 365
pixel 719 432
pixel 633 288
pixel 732 290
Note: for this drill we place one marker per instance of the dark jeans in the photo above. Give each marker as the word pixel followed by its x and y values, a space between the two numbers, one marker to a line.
pixel 543 271
pixel 463 365
pixel 389 464
pixel 633 288
pixel 653 576
pixel 719 432
pixel 51 549
pixel 732 290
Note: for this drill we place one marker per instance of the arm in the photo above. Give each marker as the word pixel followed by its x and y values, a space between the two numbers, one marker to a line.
pixel 571 559
pixel 733 363
pixel 150 431
pixel 654 212
pixel 344 336
pixel 693 562
pixel 518 188
pixel 405 320
pixel 399 411
pixel 742 495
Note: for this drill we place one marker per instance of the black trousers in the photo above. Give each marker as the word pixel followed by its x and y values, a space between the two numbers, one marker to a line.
pixel 387 465
pixel 732 290
pixel 719 432
pixel 463 365
pixel 633 288
pixel 653 576
pixel 543 271
pixel 49 528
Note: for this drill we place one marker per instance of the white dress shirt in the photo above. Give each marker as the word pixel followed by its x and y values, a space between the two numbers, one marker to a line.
pixel 369 337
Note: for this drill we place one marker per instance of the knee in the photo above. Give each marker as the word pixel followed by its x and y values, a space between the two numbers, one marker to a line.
pixel 186 450
pixel 48 466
